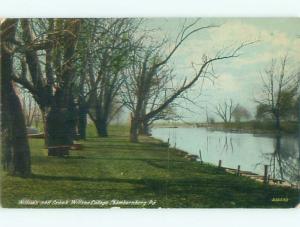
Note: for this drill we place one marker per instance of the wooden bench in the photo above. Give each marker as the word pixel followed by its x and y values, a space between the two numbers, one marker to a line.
pixel 59 150
pixel 62 150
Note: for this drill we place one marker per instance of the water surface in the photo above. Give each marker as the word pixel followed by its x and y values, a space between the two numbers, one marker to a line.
pixel 250 151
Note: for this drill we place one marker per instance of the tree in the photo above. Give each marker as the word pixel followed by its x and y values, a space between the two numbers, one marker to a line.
pixel 240 113
pixel 108 53
pixel 52 42
pixel 157 91
pixel 226 110
pixel 263 112
pixel 62 115
pixel 15 147
pixel 150 61
pixel 279 88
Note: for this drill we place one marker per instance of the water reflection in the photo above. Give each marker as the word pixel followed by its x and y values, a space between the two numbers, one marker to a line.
pixel 226 143
pixel 284 162
pixel 251 152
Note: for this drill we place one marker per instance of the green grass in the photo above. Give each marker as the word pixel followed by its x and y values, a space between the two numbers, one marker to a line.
pixel 113 169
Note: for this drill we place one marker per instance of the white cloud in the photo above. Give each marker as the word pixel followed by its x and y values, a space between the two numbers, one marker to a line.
pixel 228 83
pixel 231 34
pixel 238 78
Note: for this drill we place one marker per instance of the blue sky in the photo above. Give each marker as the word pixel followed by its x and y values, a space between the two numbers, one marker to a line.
pixel 238 78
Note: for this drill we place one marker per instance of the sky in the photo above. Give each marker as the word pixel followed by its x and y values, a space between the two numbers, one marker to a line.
pixel 239 78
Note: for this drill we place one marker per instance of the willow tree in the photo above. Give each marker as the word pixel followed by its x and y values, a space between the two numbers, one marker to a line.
pixel 15 148
pixel 280 85
pixel 150 60
pixel 158 89
pixel 107 50
pixel 52 42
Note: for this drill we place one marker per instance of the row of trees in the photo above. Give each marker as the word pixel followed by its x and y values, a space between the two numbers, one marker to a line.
pixel 78 67
pixel 278 100
pixel 229 110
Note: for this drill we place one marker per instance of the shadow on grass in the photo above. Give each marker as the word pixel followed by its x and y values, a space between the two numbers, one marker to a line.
pixel 220 191
pixel 161 164
pixel 89 179
pixel 150 161
pixel 73 157
pixel 127 147
pixel 147 182
pixel 204 182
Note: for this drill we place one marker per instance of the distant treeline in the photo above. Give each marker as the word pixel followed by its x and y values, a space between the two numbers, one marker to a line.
pixel 254 125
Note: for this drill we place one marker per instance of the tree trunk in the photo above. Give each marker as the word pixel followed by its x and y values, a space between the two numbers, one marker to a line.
pixel 16 152
pixel 101 126
pixel 44 116
pixel 144 129
pixel 100 121
pixel 277 122
pixel 72 120
pixel 16 147
pixel 58 133
pixel 60 126
pixel 134 126
pixel 82 121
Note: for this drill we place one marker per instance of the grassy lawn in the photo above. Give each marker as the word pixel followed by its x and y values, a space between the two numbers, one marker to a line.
pixel 112 169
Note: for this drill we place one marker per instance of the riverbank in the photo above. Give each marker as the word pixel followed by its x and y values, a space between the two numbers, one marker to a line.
pixel 253 127
pixel 111 172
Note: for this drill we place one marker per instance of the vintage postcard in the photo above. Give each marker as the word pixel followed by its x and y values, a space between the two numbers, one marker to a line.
pixel 150 112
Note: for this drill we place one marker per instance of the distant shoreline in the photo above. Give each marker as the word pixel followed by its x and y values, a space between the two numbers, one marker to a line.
pixel 240 127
